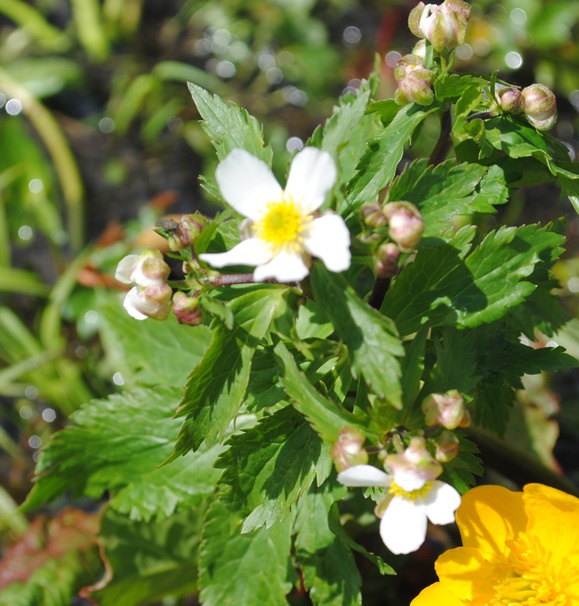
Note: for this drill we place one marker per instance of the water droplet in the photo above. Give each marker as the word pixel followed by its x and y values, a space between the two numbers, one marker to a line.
pixel 13 107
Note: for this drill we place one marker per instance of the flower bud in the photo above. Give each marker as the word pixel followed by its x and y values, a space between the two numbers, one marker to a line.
pixel 540 106
pixel 386 263
pixel 158 293
pixel 444 25
pixel 348 450
pixel 414 81
pixel 149 302
pixel 510 99
pixel 415 467
pixel 186 309
pixel 183 233
pixel 446 409
pixel 373 215
pixel 447 446
pixel 405 224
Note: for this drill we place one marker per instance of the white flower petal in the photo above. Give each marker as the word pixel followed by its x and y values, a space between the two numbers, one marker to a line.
pixel 284 267
pixel 329 239
pixel 248 252
pixel 364 475
pixel 131 302
pixel 125 269
pixel 441 503
pixel 409 479
pixel 312 175
pixel 247 183
pixel 403 525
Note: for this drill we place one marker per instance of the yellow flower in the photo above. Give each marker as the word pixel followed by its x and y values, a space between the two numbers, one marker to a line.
pixel 519 549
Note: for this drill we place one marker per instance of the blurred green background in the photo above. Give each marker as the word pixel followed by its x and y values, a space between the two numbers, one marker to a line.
pixel 99 137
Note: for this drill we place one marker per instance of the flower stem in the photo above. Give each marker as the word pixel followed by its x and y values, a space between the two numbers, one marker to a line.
pixel 444 142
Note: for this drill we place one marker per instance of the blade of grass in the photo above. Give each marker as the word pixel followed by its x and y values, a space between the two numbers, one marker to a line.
pixel 57 146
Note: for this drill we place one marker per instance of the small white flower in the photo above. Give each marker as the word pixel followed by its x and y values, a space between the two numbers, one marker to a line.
pixel 284 231
pixel 404 513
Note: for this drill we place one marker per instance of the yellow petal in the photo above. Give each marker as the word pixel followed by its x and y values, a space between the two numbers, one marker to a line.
pixel 554 525
pixel 466 573
pixel 560 500
pixel 489 516
pixel 436 595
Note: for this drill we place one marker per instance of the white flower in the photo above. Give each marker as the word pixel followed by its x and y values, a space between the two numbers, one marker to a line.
pixel 284 231
pixel 404 513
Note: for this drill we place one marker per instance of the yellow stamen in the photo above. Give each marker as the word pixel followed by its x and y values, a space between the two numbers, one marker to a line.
pixel 411 495
pixel 283 225
pixel 526 579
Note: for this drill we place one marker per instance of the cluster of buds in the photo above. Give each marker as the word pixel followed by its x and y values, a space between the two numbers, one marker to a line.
pixel 414 81
pixel 349 449
pixel 151 295
pixel 446 409
pixel 443 25
pixel 537 102
pixel 182 233
pixel 405 224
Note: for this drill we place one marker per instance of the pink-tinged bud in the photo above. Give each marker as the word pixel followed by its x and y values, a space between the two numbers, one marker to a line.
pixel 444 25
pixel 447 446
pixel 414 19
pixel 414 81
pixel 183 233
pixel 386 263
pixel 150 302
pixel 373 215
pixel 158 293
pixel 510 100
pixel 348 450
pixel 540 106
pixel 415 467
pixel 186 309
pixel 446 409
pixel 405 224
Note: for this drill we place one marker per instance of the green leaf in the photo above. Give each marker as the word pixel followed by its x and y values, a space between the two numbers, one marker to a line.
pixel 448 290
pixel 440 192
pixel 269 466
pixel 338 131
pixel 149 560
pixel 379 163
pixel 229 126
pixel 326 417
pixel 328 566
pixel 156 353
pixel 371 338
pixel 461 471
pixel 338 529
pixel 243 569
pixel 216 388
pixel 453 86
pixel 117 445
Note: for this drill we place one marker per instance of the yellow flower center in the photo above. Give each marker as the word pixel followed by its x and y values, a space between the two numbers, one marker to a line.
pixel 283 225
pixel 526 579
pixel 411 495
